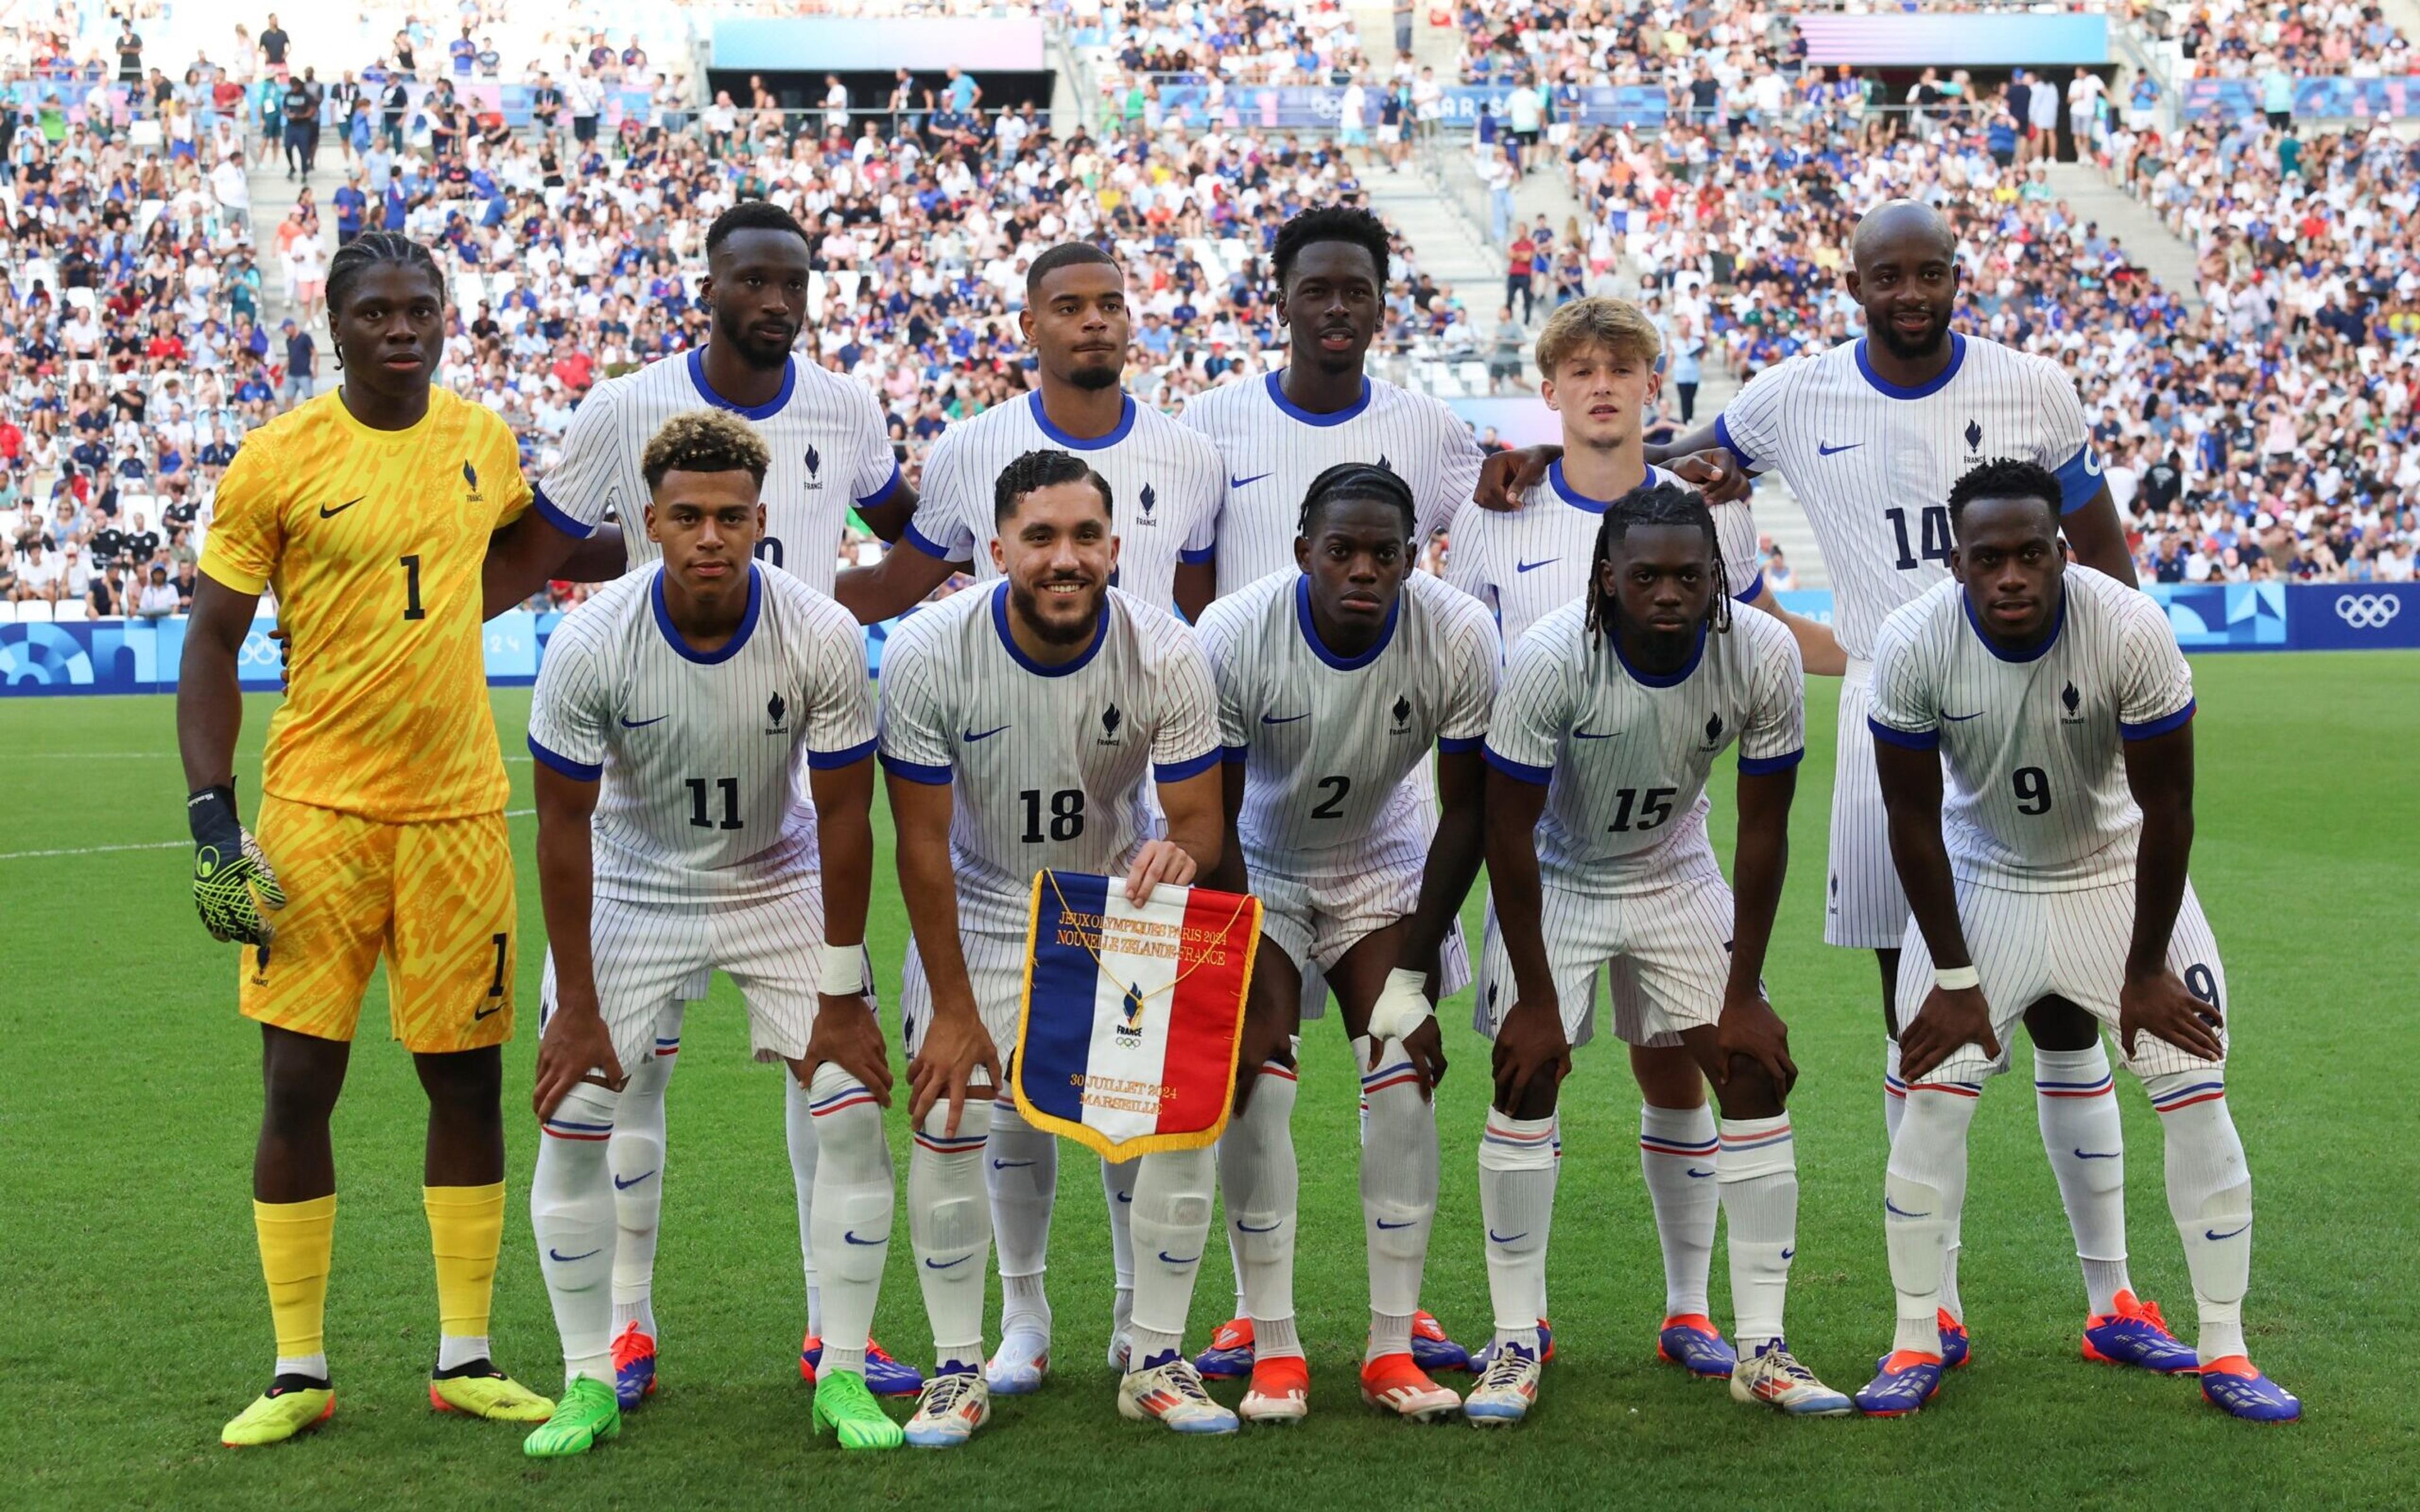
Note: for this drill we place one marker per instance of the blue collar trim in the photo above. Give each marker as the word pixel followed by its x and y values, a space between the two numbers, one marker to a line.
pixel 1319 648
pixel 738 638
pixel 999 623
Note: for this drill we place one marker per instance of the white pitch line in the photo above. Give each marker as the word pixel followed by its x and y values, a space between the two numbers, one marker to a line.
pixel 156 844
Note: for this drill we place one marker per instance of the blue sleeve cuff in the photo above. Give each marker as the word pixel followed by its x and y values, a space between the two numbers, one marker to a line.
pixel 1460 744
pixel 881 495
pixel 1194 558
pixel 932 777
pixel 557 518
pixel 1192 766
pixel 577 771
pixel 833 761
pixel 2079 479
pixel 1518 771
pixel 1755 591
pixel 1235 755
pixel 1905 739
pixel 2160 726
pixel 1759 766
pixel 1723 439
pixel 912 536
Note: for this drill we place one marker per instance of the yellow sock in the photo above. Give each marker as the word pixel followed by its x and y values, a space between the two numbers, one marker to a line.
pixel 295 1240
pixel 466 1226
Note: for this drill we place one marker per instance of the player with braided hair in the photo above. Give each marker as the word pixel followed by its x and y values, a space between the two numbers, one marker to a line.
pixel 1612 712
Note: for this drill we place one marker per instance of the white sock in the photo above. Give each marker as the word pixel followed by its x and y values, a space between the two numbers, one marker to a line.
pixel 1399 1192
pixel 1556 1180
pixel 1894 1092
pixel 2209 1196
pixel 1923 1193
pixel 1516 1198
pixel 636 1154
pixel 1676 1153
pixel 1257 1171
pixel 949 1227
pixel 1117 1192
pixel 852 1210
pixel 313 1366
pixel 1021 1171
pixel 454 1350
pixel 799 1124
pixel 1171 1224
pixel 1757 1172
pixel 2076 1104
pixel 571 1209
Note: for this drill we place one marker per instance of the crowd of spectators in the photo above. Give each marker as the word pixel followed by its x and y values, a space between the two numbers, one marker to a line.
pixel 2241 40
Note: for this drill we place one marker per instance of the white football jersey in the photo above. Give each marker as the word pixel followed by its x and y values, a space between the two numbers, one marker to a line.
pixel 1048 766
pixel 1534 560
pixel 1164 485
pixel 830 453
pixel 1873 463
pixel 1624 754
pixel 698 752
pixel 2035 795
pixel 1273 449
pixel 1322 742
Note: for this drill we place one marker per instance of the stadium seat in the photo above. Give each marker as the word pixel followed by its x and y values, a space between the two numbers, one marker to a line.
pixel 67 611
pixel 34 611
pixel 7 612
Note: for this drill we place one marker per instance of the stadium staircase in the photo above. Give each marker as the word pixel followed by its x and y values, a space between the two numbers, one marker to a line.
pixel 2149 243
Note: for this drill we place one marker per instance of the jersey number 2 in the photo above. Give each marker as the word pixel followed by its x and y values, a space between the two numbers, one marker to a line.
pixel 1333 806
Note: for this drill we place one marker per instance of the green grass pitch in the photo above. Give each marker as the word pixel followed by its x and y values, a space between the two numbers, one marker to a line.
pixel 138 1324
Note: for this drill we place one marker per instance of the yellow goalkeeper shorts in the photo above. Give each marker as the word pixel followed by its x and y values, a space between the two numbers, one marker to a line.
pixel 434 898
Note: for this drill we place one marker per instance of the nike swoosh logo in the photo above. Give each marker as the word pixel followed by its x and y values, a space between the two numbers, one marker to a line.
pixel 931 1264
pixel 1823 450
pixel 1532 567
pixel 1125 1199
pixel 1247 1228
pixel 1698 1175
pixel 1009 1165
pixel 325 512
pixel 1385 1225
pixel 1786 1254
pixel 1171 1260
pixel 1961 718
pixel 2098 1154
pixel 476 1015
pixel 1271 719
pixel 850 1235
pixel 1594 734
pixel 972 737
pixel 2214 1234
pixel 1245 482
pixel 1888 1206
pixel 629 724
pixel 562 1259
pixel 620 1185
pixel 1495 1237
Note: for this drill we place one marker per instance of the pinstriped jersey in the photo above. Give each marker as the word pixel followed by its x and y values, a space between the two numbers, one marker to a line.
pixel 1322 742
pixel 1164 484
pixel 697 752
pixel 2033 742
pixel 1623 753
pixel 830 452
pixel 1273 449
pixel 1524 564
pixel 1872 462
pixel 1048 766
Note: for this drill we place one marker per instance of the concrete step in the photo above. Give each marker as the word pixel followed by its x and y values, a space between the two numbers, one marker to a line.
pixel 2148 242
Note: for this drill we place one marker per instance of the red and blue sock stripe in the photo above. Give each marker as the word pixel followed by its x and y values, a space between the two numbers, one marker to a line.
pixel 1953 1089
pixel 1742 1144
pixel 2187 1096
pixel 951 1145
pixel 666 1049
pixel 1398 1075
pixel 2099 1089
pixel 569 1129
pixel 851 1096
pixel 1678 1148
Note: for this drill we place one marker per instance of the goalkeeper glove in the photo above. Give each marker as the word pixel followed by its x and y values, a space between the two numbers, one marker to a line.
pixel 232 878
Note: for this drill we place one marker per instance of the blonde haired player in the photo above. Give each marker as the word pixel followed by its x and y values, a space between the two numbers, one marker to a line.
pixel 383 513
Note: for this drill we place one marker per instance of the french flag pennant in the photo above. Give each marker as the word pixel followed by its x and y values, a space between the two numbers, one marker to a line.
pixel 1133 1017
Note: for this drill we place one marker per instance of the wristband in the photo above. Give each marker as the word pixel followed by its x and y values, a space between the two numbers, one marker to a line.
pixel 210 814
pixel 1957 979
pixel 840 971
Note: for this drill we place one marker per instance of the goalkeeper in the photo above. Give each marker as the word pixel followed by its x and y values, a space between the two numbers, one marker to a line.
pixel 385 513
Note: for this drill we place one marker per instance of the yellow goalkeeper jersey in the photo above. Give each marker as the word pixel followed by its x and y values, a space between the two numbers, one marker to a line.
pixel 373 541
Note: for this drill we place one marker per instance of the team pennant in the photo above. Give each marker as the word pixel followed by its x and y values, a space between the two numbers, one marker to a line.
pixel 1133 1017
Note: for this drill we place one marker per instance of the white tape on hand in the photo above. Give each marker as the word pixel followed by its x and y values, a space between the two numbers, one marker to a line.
pixel 1403 1006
